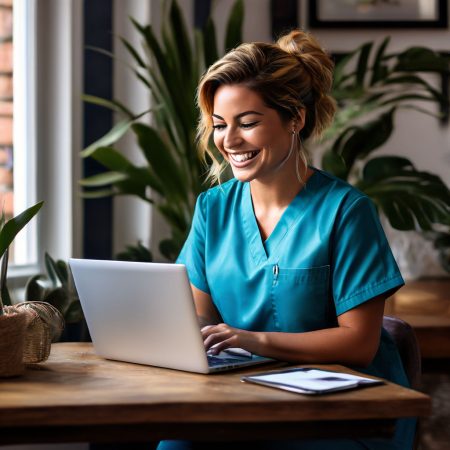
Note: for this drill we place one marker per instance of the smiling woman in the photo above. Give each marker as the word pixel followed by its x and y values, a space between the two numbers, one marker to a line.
pixel 285 260
pixel 254 141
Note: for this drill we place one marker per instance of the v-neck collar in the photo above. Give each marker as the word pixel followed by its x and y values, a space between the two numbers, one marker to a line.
pixel 263 252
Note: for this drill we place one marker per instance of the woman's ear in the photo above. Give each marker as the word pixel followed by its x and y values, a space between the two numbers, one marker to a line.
pixel 300 120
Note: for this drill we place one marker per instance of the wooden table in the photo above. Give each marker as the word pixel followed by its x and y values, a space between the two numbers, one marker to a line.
pixel 76 396
pixel 425 305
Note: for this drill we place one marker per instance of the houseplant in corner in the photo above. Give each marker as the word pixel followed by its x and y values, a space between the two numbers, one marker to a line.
pixel 13 322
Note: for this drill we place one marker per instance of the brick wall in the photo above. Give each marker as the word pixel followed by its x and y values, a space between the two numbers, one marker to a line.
pixel 6 107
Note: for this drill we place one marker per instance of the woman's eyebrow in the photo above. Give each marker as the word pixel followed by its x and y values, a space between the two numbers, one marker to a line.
pixel 245 113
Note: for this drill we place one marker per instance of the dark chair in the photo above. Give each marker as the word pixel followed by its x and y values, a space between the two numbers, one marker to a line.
pixel 403 335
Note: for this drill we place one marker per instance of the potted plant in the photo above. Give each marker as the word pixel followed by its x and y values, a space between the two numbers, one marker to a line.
pixel 173 170
pixel 12 321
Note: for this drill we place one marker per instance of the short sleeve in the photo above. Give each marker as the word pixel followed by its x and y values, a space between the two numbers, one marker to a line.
pixel 362 262
pixel 192 254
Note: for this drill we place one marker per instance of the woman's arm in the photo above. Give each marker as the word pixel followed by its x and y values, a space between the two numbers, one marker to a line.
pixel 354 342
pixel 206 311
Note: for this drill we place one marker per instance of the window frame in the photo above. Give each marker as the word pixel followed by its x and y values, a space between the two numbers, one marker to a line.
pixel 53 130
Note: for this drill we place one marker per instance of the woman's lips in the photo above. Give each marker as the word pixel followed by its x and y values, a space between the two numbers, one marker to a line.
pixel 242 159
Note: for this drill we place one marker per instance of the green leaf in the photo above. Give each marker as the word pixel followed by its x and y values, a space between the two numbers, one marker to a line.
pixel 169 248
pixel 132 187
pixel 50 266
pixel 103 179
pixel 363 60
pixel 363 139
pixel 34 289
pixel 57 271
pixel 109 138
pixel 133 52
pixel 421 59
pixel 57 297
pixel 379 70
pixel 181 38
pixel 110 104
pixel 341 72
pixel 333 163
pixel 210 43
pixel 73 313
pixel 173 217
pixel 112 159
pixel 160 159
pixel 6 297
pixel 137 252
pixel 233 36
pixel 399 216
pixel 101 193
pixel 121 170
pixel 401 98
pixel 14 225
pixel 410 199
pixel 385 166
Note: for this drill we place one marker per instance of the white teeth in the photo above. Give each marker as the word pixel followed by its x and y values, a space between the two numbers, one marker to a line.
pixel 241 157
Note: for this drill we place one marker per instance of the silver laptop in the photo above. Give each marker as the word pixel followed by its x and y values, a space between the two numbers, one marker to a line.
pixel 144 313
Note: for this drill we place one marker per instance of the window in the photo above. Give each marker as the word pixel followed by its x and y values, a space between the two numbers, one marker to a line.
pixel 24 249
pixel 6 108
pixel 47 71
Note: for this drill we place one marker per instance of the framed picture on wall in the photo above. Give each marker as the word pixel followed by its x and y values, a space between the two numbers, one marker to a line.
pixel 378 14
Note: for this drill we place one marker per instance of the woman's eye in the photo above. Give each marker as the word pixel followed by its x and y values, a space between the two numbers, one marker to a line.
pixel 219 126
pixel 248 124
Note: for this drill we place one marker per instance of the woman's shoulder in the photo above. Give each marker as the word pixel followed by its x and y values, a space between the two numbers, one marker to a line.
pixel 223 191
pixel 337 189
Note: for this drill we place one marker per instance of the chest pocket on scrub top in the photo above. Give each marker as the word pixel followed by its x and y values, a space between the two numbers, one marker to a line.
pixel 300 298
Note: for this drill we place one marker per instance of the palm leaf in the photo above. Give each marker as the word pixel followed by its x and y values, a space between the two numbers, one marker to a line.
pixel 379 69
pixel 160 159
pixel 233 36
pixel 103 179
pixel 181 38
pixel 363 61
pixel 112 136
pixel 210 43
pixel 110 104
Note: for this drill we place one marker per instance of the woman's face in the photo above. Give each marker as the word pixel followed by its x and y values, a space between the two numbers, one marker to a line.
pixel 251 136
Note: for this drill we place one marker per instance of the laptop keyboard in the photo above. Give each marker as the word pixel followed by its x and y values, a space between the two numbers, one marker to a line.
pixel 216 361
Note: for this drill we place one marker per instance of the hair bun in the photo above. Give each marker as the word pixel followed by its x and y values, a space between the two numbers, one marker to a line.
pixel 319 66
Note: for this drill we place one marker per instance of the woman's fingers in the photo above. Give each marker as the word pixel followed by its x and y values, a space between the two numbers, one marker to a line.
pixel 218 336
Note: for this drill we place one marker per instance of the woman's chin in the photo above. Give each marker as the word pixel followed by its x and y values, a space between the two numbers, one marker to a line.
pixel 242 175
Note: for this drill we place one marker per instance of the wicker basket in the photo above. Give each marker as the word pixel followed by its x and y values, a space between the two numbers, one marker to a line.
pixel 44 326
pixel 12 333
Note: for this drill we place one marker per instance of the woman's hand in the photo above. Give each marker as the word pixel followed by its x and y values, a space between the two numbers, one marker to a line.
pixel 221 336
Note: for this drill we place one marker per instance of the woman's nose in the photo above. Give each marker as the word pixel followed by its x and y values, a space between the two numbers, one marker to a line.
pixel 232 138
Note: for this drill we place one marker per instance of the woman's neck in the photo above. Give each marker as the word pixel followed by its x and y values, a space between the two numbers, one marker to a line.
pixel 270 200
pixel 279 192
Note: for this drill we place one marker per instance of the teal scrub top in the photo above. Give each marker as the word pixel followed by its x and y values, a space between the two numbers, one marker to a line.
pixel 327 254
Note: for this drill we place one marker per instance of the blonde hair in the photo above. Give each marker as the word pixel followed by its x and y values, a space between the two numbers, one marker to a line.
pixel 294 73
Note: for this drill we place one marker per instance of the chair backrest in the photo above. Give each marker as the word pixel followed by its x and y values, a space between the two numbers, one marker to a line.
pixel 403 335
